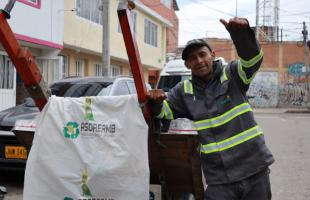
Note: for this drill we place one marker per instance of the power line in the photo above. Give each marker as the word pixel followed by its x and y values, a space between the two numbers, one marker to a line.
pixel 214 9
pixel 198 28
pixel 294 14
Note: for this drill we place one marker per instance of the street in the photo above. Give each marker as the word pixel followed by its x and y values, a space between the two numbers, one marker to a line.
pixel 287 135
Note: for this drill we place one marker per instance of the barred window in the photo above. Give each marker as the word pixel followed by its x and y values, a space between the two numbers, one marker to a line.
pixel 89 10
pixel 116 70
pixel 150 33
pixel 79 68
pixel 98 69
pixel 50 69
pixel 6 73
pixel 64 67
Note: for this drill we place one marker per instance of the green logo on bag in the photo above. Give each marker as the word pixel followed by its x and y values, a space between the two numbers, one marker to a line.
pixel 88 111
pixel 85 189
pixel 71 130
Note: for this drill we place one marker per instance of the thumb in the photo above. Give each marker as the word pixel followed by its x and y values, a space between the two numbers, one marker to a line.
pixel 224 23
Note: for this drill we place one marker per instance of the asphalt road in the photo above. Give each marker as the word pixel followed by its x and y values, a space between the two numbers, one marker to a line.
pixel 288 137
pixel 13 181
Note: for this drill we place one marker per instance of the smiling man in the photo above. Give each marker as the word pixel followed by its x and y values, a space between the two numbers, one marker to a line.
pixel 234 155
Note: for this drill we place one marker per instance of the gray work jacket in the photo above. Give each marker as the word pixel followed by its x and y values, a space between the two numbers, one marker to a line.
pixel 232 143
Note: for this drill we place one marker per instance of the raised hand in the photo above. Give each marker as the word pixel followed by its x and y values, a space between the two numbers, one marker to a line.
pixel 235 23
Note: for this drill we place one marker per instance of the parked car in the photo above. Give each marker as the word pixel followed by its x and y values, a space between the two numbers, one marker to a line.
pixel 13 154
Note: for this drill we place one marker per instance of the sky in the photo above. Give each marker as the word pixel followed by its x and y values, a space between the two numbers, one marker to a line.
pixel 200 18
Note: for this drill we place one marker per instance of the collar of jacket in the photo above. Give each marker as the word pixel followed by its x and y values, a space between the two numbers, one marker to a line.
pixel 217 70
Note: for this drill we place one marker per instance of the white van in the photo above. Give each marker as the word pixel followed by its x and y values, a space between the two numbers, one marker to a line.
pixel 173 72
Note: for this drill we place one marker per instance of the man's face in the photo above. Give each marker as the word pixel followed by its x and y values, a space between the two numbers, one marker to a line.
pixel 200 61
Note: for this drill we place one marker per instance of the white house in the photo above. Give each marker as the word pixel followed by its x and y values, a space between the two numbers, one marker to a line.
pixel 38 25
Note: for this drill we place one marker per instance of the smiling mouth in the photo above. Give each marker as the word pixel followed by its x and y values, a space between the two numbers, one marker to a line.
pixel 202 67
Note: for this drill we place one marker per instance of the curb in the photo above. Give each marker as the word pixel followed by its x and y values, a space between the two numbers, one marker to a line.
pixel 298 111
pixel 281 110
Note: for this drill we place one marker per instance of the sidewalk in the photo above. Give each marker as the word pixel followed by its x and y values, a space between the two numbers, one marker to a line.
pixel 281 110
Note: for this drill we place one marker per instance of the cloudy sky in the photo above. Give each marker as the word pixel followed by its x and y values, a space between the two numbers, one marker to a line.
pixel 200 18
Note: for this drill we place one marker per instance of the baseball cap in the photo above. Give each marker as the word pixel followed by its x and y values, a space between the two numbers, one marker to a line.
pixel 194 43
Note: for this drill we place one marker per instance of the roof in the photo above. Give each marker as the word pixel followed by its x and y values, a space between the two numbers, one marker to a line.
pixel 175 5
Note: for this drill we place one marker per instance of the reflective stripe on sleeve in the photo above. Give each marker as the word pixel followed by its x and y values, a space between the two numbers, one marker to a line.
pixel 224 75
pixel 232 141
pixel 188 87
pixel 243 64
pixel 243 76
pixel 162 113
pixel 253 61
pixel 224 118
pixel 167 110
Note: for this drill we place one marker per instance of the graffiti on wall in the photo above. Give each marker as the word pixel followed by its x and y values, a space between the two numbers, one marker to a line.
pixel 297 69
pixel 264 90
pixel 293 94
pixel 293 87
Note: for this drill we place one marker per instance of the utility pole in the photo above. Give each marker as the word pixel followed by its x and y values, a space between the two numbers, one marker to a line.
pixel 305 37
pixel 257 20
pixel 106 37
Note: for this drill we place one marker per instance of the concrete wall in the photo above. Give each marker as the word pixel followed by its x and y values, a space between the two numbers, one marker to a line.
pixel 264 90
pixel 281 81
pixel 274 89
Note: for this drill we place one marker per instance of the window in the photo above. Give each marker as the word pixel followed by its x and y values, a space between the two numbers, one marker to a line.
pixel 116 70
pixel 89 10
pixel 167 3
pixel 133 20
pixel 79 68
pixel 65 70
pixel 98 69
pixel 49 68
pixel 6 73
pixel 33 3
pixel 150 33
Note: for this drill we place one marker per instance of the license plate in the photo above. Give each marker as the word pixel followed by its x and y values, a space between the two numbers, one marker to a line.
pixel 16 152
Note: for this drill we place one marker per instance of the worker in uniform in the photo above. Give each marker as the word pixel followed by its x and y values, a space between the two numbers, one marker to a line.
pixel 235 159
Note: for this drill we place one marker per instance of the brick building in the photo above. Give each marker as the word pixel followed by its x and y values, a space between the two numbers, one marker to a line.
pixel 282 80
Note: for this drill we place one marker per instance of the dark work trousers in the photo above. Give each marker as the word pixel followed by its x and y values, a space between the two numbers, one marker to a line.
pixel 256 187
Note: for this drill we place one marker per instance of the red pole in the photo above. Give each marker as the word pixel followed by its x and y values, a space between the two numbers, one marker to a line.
pixel 134 58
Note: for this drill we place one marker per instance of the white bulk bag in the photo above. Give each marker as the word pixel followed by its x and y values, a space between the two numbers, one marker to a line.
pixel 89 148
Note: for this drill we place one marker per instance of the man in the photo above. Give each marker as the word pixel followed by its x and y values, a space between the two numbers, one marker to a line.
pixel 234 156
